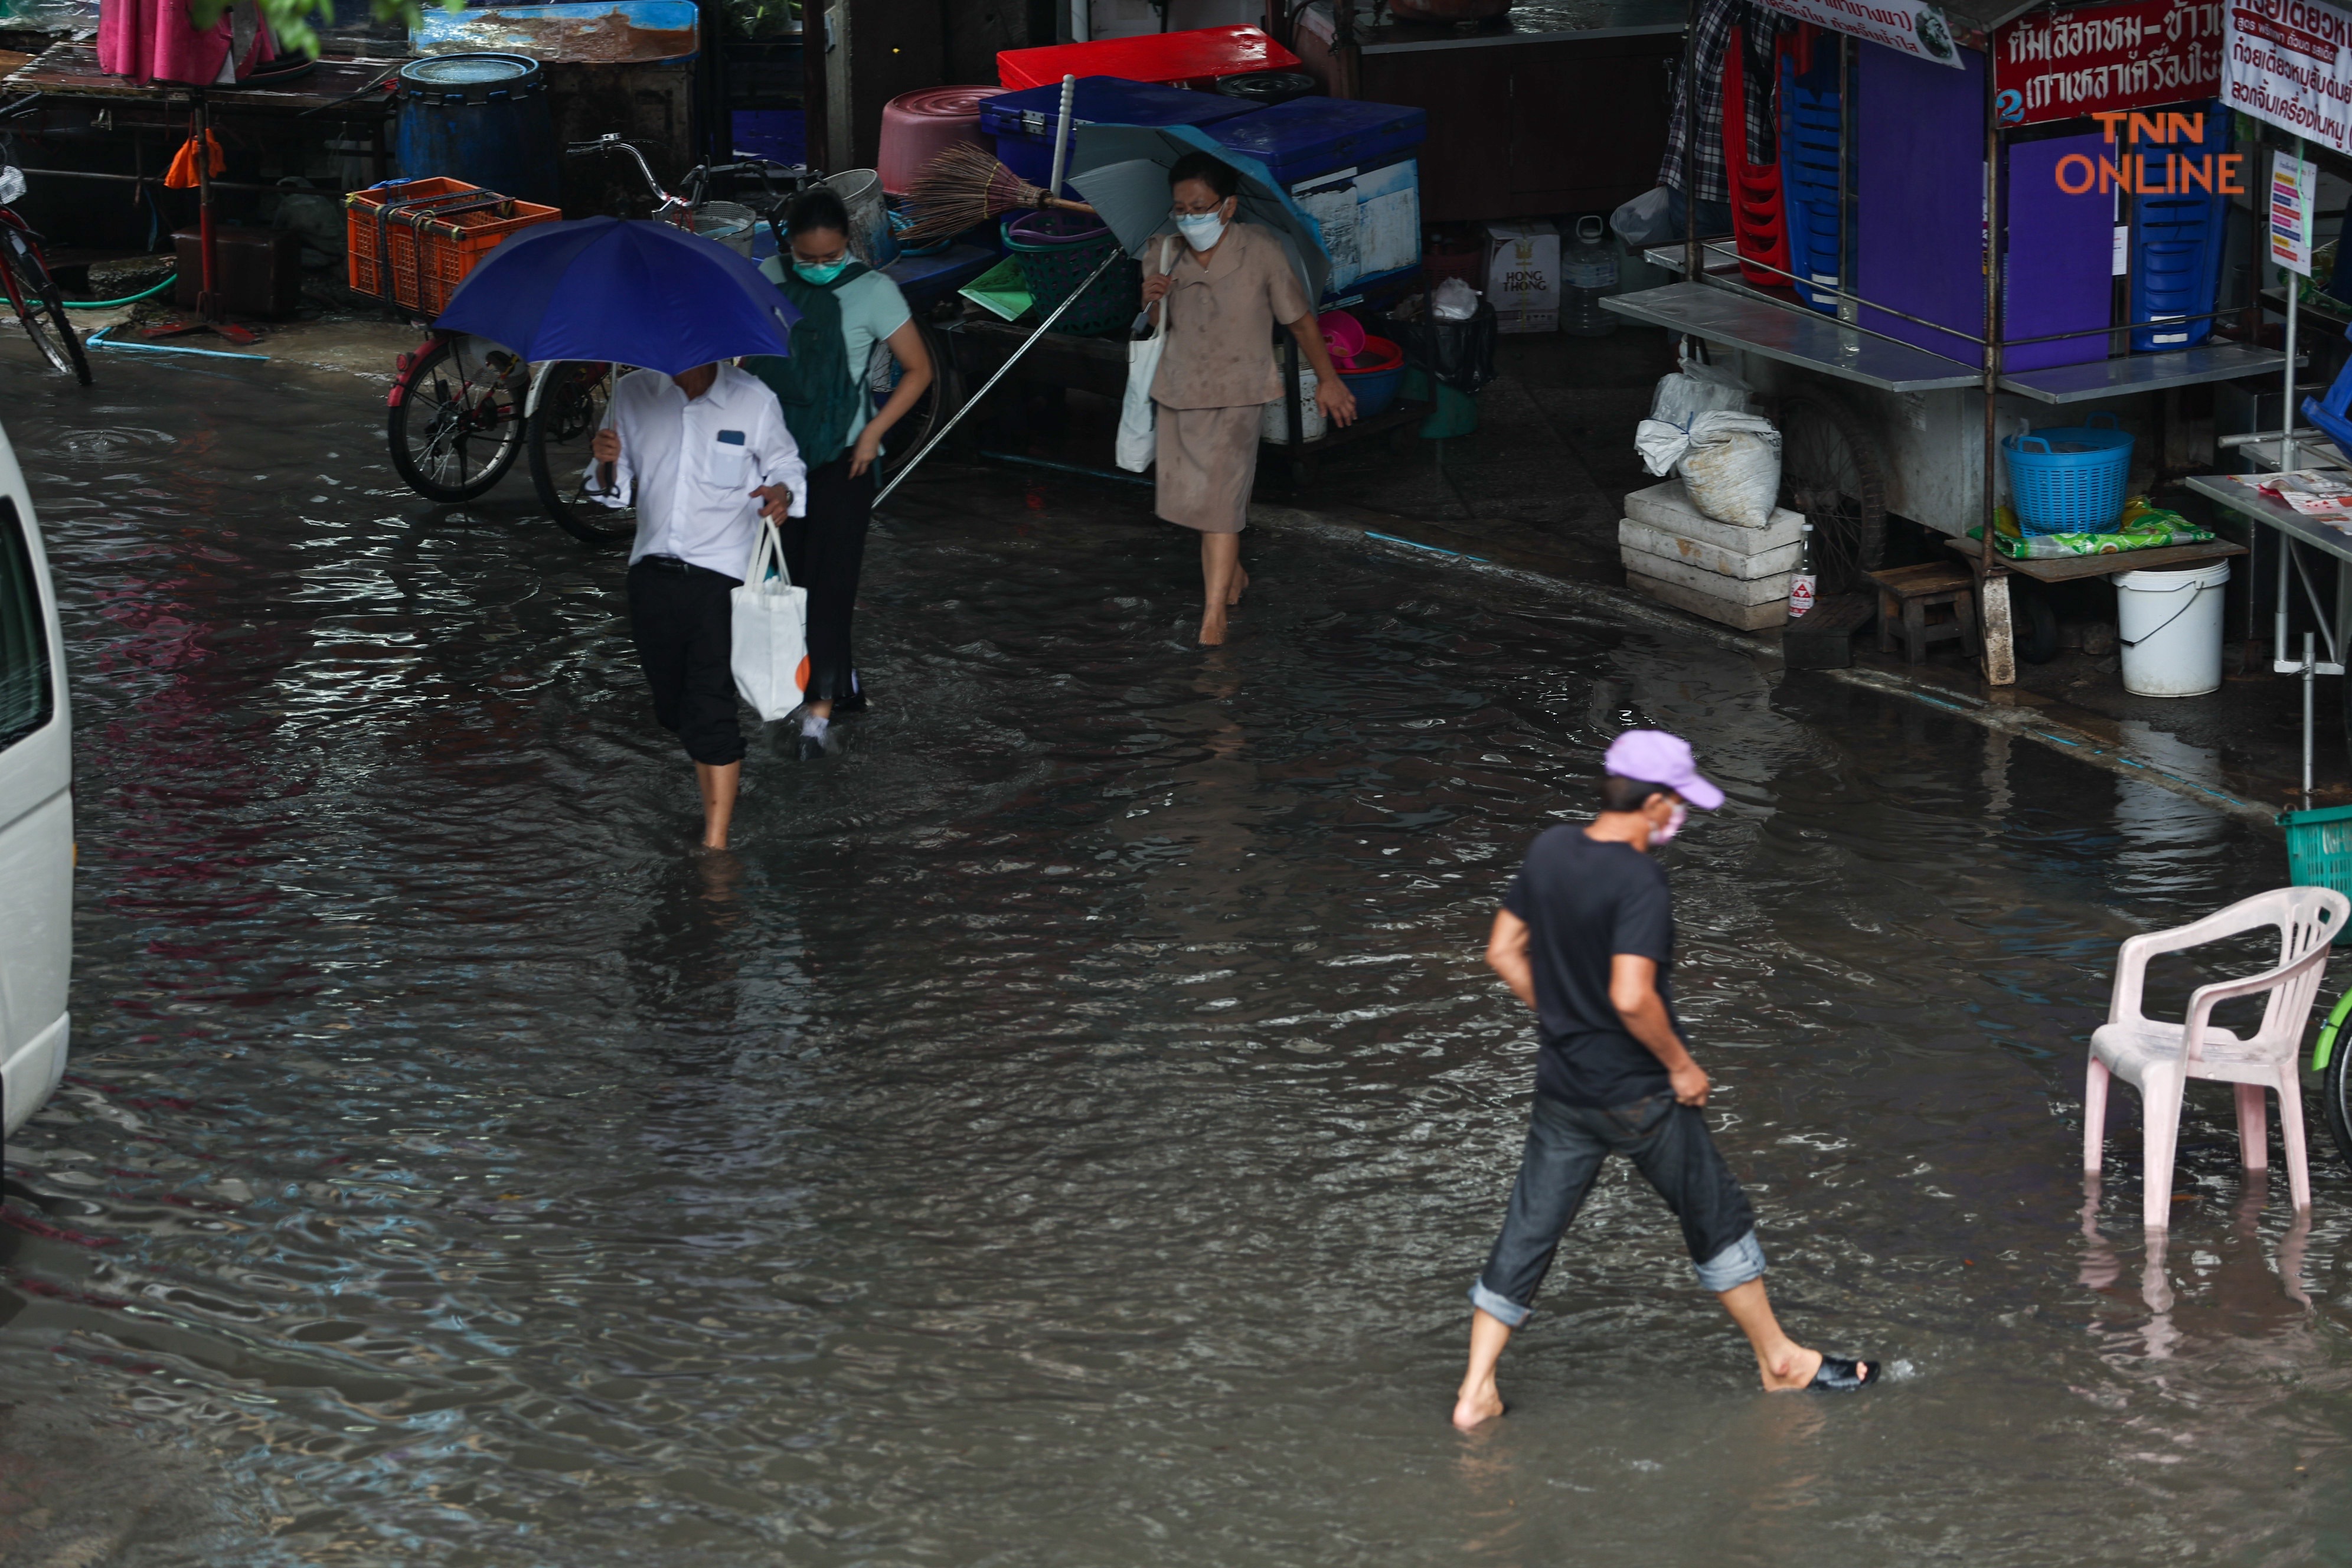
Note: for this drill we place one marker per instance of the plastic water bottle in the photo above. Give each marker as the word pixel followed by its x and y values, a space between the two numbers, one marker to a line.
pixel 1586 272
pixel 1802 582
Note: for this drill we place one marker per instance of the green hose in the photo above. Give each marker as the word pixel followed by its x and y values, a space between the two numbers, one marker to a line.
pixel 126 299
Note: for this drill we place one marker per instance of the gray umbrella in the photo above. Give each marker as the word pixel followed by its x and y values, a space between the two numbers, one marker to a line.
pixel 1122 170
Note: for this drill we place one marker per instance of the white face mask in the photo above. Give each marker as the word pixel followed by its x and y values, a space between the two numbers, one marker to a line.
pixel 1201 230
pixel 1673 825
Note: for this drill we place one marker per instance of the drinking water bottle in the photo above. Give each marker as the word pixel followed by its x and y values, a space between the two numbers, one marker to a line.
pixel 1802 582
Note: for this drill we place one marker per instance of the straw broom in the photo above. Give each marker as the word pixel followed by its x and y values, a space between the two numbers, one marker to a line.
pixel 966 186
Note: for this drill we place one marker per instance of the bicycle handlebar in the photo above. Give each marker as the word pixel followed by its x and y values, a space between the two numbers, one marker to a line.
pixel 22 106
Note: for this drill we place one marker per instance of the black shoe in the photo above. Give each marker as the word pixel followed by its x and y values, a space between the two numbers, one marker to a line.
pixel 812 748
pixel 1837 1376
pixel 853 703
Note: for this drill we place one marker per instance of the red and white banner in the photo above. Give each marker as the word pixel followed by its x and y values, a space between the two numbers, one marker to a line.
pixel 2064 65
pixel 2285 61
pixel 1906 27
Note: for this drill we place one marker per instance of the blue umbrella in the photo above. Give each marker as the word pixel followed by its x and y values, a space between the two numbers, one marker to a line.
pixel 632 292
pixel 1122 171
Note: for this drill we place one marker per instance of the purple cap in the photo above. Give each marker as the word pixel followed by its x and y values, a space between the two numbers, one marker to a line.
pixel 1652 756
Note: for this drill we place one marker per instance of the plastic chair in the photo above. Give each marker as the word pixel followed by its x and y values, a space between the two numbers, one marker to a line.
pixel 2160 1059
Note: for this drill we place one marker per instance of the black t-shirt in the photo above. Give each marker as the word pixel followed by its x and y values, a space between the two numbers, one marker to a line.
pixel 1585 902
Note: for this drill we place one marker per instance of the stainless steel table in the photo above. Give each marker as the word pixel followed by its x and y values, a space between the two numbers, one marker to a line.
pixel 2336 623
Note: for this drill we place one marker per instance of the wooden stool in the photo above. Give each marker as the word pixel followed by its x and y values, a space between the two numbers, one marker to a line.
pixel 1908 593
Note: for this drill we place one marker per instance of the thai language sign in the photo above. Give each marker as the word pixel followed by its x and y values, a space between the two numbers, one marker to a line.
pixel 1906 27
pixel 2063 65
pixel 2284 62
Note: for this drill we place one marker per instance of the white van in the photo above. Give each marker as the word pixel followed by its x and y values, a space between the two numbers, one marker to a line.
pixel 36 850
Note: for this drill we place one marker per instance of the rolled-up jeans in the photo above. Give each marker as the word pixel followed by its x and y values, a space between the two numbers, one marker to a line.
pixel 1669 1145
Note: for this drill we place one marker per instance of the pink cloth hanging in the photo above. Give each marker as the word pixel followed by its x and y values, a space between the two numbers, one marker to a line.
pixel 155 40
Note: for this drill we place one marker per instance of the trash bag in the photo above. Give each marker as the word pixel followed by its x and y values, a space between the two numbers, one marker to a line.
pixel 1454 300
pixel 1731 470
pixel 1460 355
pixel 1695 389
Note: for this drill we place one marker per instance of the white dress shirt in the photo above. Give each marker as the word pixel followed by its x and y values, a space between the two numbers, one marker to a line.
pixel 692 466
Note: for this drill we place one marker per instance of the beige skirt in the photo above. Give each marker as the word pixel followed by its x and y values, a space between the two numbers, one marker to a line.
pixel 1206 460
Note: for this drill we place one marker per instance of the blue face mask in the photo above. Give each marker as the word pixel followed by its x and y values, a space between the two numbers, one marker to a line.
pixel 820 274
pixel 1201 230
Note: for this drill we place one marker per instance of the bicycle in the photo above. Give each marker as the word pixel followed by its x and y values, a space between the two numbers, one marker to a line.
pixel 24 273
pixel 453 420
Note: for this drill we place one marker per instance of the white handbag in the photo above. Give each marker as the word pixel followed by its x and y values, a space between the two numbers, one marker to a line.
pixel 770 651
pixel 1138 441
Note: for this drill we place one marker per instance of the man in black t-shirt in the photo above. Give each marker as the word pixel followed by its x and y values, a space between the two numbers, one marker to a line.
pixel 1585 937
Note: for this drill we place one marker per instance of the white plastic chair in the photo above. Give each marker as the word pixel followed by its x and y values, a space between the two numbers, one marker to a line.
pixel 2160 1059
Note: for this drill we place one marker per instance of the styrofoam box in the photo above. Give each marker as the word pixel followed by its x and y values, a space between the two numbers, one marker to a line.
pixel 1738 618
pixel 1707 557
pixel 1667 508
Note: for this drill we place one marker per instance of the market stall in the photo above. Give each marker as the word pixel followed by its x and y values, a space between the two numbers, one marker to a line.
pixel 1901 336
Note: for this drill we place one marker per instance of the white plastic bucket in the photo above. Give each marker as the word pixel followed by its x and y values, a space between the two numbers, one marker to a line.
pixel 1274 425
pixel 860 191
pixel 730 224
pixel 2169 624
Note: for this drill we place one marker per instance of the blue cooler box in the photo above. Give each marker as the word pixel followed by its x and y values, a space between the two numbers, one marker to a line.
pixel 1353 167
pixel 1022 122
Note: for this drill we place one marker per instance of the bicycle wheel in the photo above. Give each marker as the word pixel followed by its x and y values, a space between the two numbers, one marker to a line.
pixel 572 403
pixel 458 423
pixel 2334 1081
pixel 937 405
pixel 1830 472
pixel 55 336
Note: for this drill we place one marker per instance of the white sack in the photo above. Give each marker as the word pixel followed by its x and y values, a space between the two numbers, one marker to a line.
pixel 1694 390
pixel 770 646
pixel 1731 469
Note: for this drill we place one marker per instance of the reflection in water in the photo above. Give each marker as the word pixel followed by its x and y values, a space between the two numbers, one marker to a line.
pixel 1062 1127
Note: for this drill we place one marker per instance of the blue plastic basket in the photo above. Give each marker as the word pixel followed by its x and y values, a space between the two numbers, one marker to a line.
pixel 2070 480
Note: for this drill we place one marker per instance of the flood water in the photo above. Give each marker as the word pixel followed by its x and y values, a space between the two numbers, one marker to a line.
pixel 1063 1130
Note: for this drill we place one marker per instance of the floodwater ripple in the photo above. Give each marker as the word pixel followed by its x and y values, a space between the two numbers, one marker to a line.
pixel 1063 1132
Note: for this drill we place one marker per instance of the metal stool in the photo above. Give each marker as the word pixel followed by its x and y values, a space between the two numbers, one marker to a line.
pixel 1906 595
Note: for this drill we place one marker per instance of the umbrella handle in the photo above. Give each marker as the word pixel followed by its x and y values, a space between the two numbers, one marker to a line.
pixel 1117 254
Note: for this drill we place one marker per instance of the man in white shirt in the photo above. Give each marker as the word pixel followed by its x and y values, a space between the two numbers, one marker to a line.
pixel 706 456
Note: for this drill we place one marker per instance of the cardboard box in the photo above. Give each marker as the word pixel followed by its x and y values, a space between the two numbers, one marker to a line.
pixel 1522 276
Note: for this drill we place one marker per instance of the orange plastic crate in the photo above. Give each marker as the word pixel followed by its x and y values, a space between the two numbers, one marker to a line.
pixel 413 243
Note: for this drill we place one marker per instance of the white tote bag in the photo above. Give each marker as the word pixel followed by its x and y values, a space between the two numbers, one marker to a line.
pixel 1138 441
pixel 770 645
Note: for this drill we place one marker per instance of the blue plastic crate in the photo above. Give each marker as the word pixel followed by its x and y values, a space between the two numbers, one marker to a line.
pixel 1811 117
pixel 2071 479
pixel 2176 250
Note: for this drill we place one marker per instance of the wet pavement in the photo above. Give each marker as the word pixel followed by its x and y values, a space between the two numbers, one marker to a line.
pixel 1062 1132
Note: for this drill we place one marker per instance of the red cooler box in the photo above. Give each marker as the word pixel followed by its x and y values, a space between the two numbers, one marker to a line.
pixel 1198 55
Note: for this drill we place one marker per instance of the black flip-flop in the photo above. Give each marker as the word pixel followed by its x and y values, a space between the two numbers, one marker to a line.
pixel 1838 1376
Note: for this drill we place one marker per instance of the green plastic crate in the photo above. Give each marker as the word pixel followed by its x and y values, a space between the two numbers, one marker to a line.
pixel 2319 850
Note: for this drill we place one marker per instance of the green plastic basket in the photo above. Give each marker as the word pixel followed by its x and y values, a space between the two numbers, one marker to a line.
pixel 1053 269
pixel 2319 850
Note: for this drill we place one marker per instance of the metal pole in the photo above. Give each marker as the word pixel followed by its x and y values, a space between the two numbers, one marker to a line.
pixel 1993 585
pixel 1846 106
pixel 2287 451
pixel 2310 670
pixel 1689 84
pixel 1117 254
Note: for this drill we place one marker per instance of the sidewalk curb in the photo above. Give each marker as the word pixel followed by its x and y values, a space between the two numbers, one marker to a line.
pixel 1619 606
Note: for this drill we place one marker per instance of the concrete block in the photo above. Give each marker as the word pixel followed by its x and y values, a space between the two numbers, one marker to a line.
pixel 1781 559
pixel 1667 508
pixel 1739 617
pixel 1732 590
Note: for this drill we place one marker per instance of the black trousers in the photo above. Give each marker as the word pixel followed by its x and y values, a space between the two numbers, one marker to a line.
pixel 824 552
pixel 684 625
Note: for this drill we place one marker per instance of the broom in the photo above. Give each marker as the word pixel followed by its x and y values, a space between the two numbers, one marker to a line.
pixel 966 186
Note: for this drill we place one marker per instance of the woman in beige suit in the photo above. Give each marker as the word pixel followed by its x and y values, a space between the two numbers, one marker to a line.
pixel 1230 285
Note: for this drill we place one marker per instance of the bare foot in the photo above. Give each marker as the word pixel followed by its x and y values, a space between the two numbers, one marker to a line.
pixel 1792 1368
pixel 1213 629
pixel 1241 581
pixel 1473 1408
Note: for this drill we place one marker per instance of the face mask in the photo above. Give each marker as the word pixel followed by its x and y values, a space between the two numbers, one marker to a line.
pixel 820 273
pixel 1201 230
pixel 1673 825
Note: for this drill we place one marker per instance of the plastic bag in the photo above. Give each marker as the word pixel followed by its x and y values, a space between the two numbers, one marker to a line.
pixel 1731 470
pixel 1139 434
pixel 1694 390
pixel 1454 300
pixel 1645 220
pixel 768 652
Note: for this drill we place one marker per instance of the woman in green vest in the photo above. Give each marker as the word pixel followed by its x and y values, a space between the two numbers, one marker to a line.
pixel 845 309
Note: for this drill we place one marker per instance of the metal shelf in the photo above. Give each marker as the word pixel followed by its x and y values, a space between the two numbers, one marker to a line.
pixel 1792 335
pixel 2131 373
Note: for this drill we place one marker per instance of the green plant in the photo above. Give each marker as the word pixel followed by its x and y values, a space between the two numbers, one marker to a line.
pixel 289 20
